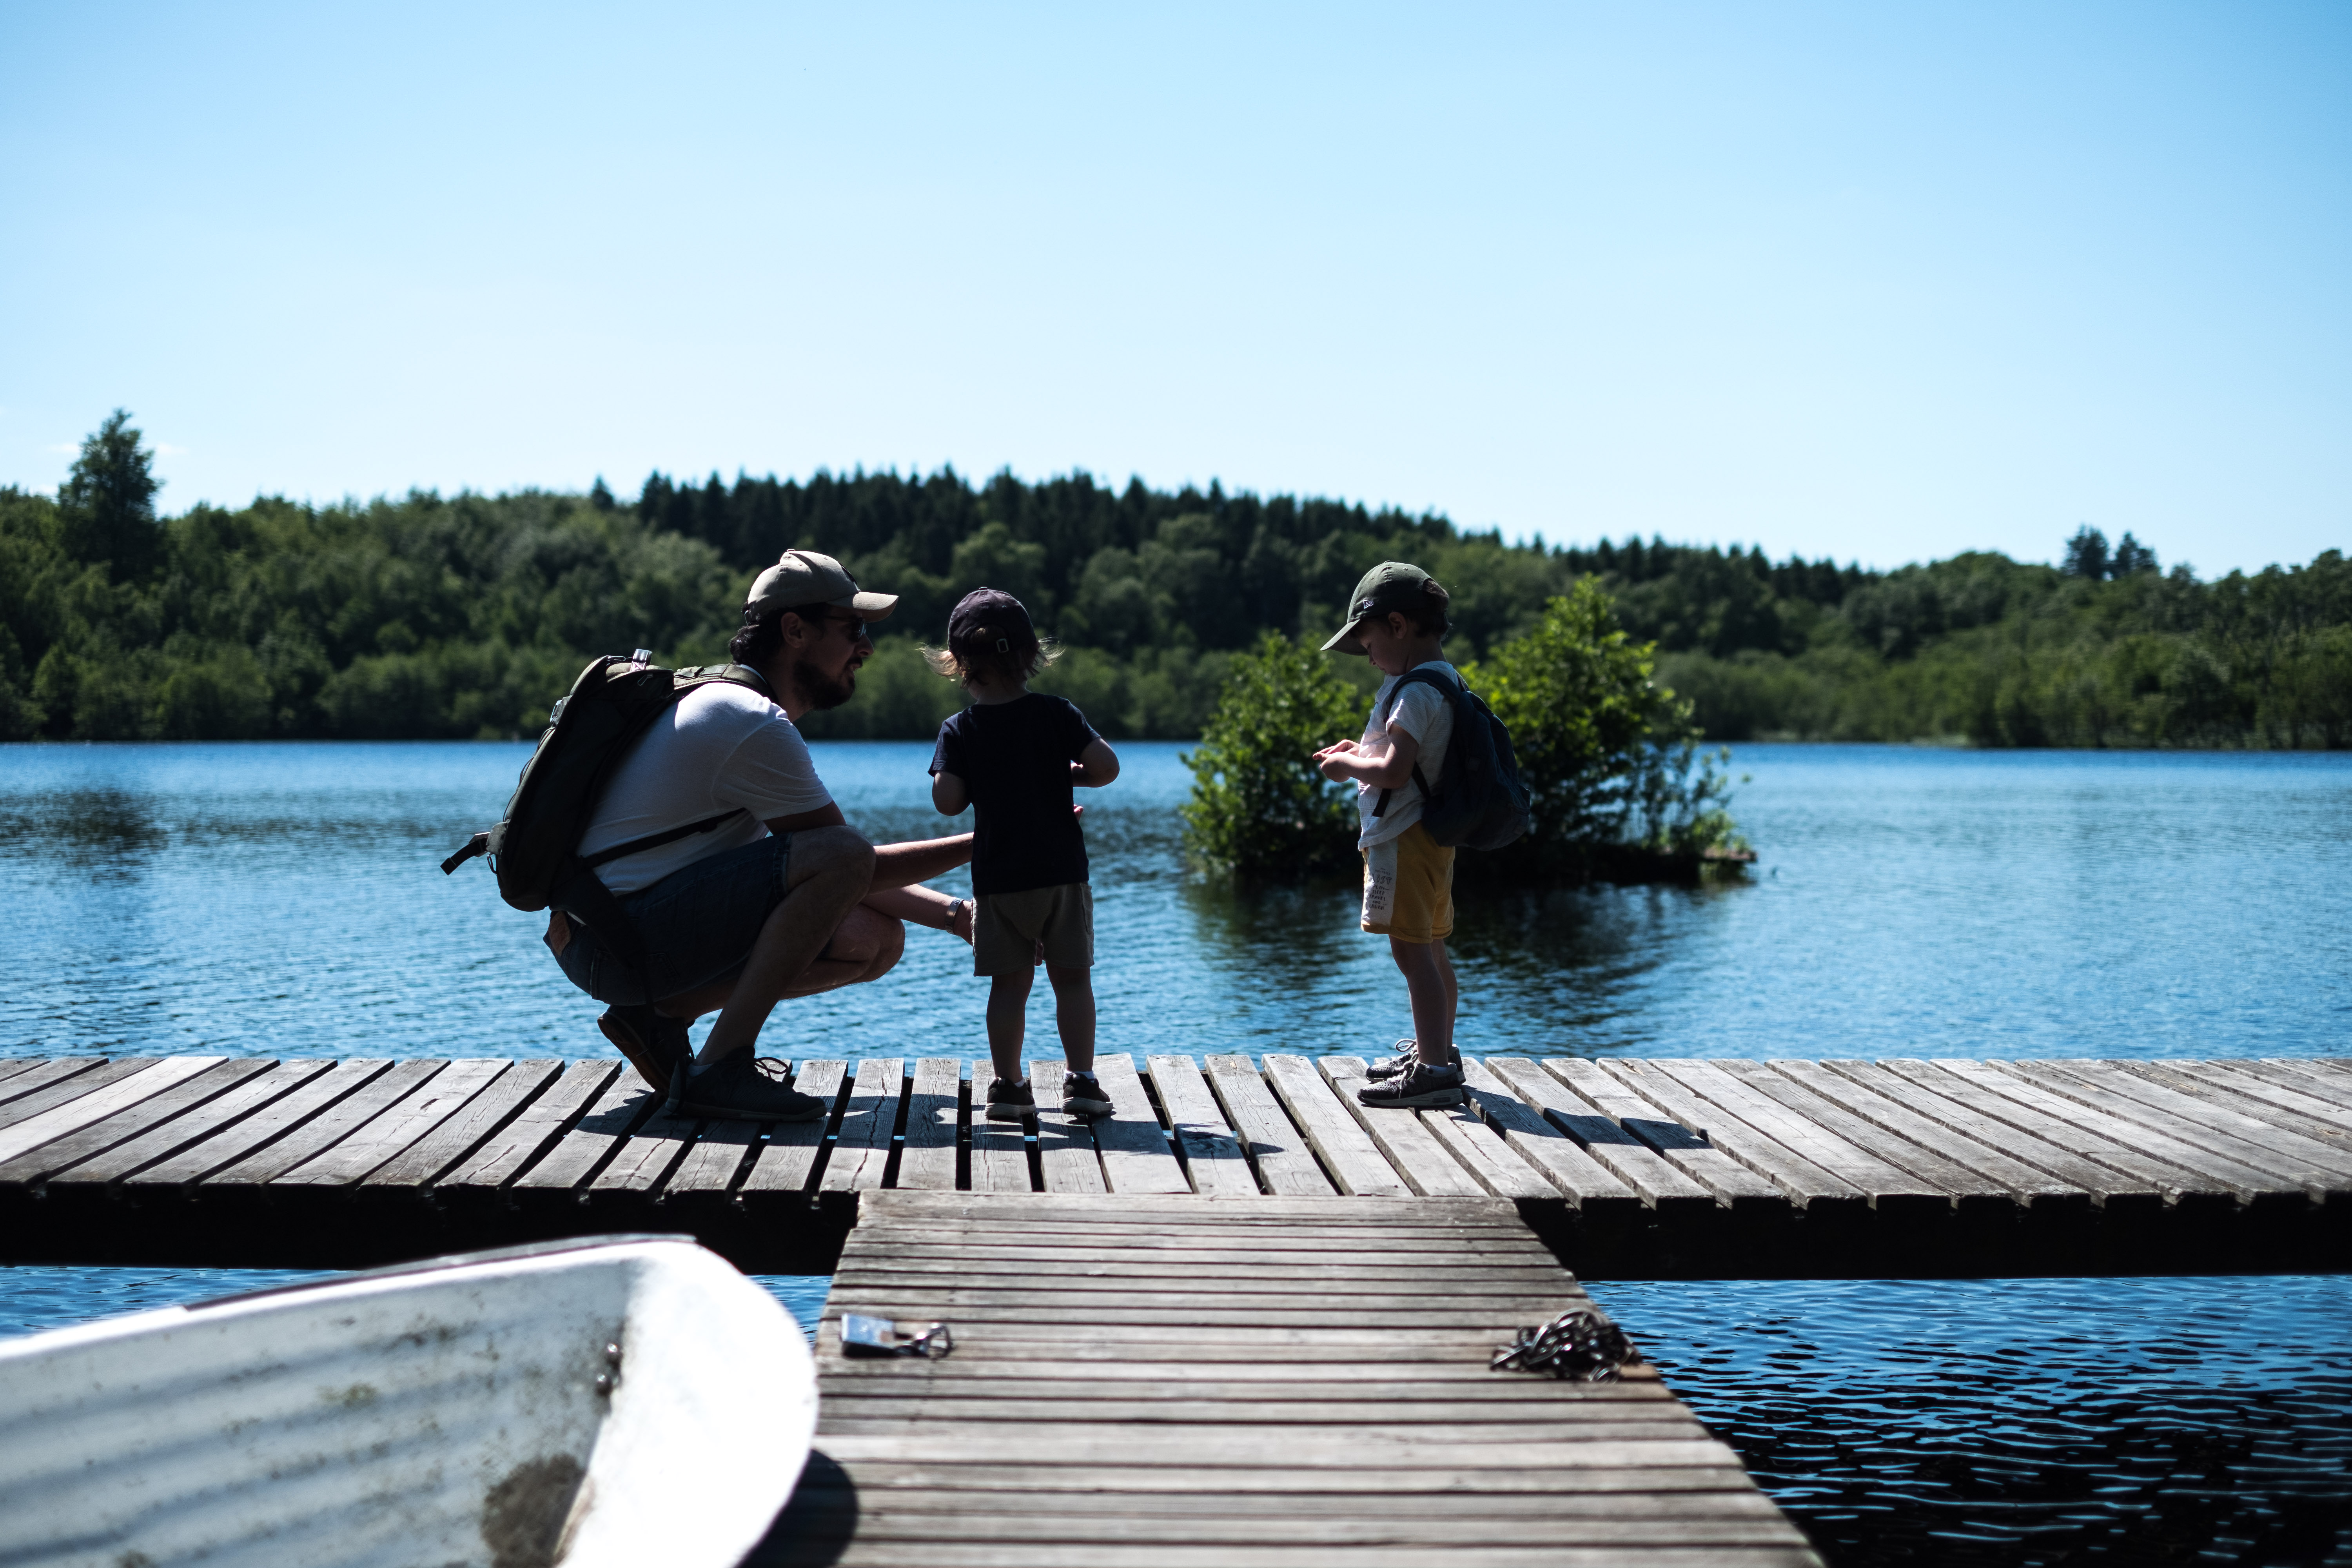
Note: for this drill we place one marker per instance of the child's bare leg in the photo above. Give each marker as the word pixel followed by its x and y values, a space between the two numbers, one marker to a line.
pixel 1073 1013
pixel 1428 982
pixel 1008 1021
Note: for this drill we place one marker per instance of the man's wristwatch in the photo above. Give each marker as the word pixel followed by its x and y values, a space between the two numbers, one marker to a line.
pixel 955 906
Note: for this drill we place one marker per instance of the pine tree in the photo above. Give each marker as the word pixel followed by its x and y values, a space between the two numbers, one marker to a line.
pixel 2086 554
pixel 107 505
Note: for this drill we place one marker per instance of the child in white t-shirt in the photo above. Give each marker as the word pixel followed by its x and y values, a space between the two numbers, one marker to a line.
pixel 1397 619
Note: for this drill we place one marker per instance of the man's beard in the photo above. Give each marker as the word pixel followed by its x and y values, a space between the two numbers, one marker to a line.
pixel 824 691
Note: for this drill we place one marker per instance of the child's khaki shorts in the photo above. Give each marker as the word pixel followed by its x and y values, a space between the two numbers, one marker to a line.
pixel 1007 927
pixel 1409 888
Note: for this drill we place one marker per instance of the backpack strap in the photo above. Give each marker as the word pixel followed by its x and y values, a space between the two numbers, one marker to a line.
pixel 740 674
pixel 1410 677
pixel 655 840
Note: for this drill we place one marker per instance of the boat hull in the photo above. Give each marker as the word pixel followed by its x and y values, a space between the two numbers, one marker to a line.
pixel 512 1410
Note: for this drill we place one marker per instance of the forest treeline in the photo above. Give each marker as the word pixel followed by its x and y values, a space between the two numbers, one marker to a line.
pixel 427 615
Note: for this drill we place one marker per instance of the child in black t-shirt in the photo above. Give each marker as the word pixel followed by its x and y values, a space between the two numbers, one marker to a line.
pixel 1015 756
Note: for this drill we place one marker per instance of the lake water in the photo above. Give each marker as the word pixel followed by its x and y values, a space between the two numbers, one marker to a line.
pixel 285 899
pixel 288 900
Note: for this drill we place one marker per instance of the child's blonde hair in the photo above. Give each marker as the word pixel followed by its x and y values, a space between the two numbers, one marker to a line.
pixel 1017 661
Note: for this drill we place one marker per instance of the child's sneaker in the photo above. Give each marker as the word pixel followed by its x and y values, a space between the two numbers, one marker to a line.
pixel 1010 1101
pixel 1408 1052
pixel 1083 1095
pixel 1419 1086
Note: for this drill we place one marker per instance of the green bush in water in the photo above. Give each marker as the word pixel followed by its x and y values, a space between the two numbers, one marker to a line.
pixel 1259 808
pixel 1608 757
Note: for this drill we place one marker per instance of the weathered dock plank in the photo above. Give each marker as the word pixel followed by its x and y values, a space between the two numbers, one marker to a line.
pixel 1285 1163
pixel 861 1150
pixel 1213 1155
pixel 1599 1137
pixel 935 1105
pixel 1138 1155
pixel 283 1116
pixel 789 1161
pixel 1582 1179
pixel 502 1099
pixel 1066 1156
pixel 1976 1168
pixel 1428 1170
pixel 273 1082
pixel 43 1158
pixel 2250 1088
pixel 38 1074
pixel 2195 1125
pixel 516 1146
pixel 1357 1166
pixel 599 1134
pixel 1877 1159
pixel 1675 1167
pixel 1283 1417
pixel 353 1156
pixel 73 1103
pixel 1598 1094
pixel 2107 1138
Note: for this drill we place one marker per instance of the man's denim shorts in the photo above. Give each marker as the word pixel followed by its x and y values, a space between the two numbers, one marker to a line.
pixel 699 924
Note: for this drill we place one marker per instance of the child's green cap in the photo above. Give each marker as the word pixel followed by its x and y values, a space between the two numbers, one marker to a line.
pixel 1390 585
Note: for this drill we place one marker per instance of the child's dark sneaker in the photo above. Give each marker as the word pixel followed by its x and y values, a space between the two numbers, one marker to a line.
pixel 734 1086
pixel 1010 1101
pixel 1408 1052
pixel 1419 1086
pixel 1083 1095
pixel 654 1043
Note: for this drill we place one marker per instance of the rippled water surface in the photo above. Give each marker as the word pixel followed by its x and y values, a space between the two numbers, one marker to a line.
pixel 287 900
pixel 2017 1422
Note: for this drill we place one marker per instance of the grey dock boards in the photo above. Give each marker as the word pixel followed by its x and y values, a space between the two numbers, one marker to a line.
pixel 1094 1412
pixel 1626 1168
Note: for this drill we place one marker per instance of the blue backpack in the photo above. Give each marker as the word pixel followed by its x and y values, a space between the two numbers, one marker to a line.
pixel 1484 805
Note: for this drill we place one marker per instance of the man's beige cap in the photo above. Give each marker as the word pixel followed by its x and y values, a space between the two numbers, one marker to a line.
pixel 802 577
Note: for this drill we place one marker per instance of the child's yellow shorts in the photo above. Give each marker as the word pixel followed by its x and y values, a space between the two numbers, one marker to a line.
pixel 1409 888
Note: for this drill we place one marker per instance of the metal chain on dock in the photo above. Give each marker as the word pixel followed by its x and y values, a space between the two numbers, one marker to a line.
pixel 1582 1344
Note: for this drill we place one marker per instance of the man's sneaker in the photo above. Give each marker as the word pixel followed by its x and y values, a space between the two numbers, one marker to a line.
pixel 735 1088
pixel 1408 1053
pixel 654 1043
pixel 1010 1101
pixel 1083 1095
pixel 1422 1085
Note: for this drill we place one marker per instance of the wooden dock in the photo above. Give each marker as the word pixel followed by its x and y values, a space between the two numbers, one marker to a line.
pixel 1626 1168
pixel 1243 1382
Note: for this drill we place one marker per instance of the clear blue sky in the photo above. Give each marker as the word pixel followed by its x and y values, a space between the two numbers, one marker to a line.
pixel 1881 282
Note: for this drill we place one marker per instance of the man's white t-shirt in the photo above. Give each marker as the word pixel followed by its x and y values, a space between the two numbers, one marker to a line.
pixel 1426 714
pixel 721 747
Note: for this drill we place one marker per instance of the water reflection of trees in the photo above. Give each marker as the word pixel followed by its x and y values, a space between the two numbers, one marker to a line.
pixel 1565 971
pixel 82 827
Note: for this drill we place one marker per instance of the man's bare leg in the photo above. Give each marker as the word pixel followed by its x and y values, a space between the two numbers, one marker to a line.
pixel 867 946
pixel 827 872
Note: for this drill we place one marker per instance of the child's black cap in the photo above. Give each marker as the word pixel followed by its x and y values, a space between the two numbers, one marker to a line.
pixel 990 620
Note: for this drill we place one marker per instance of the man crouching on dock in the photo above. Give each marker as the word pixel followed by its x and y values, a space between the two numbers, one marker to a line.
pixel 782 899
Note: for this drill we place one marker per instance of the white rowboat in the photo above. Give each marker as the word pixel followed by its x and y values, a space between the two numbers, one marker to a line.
pixel 628 1402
